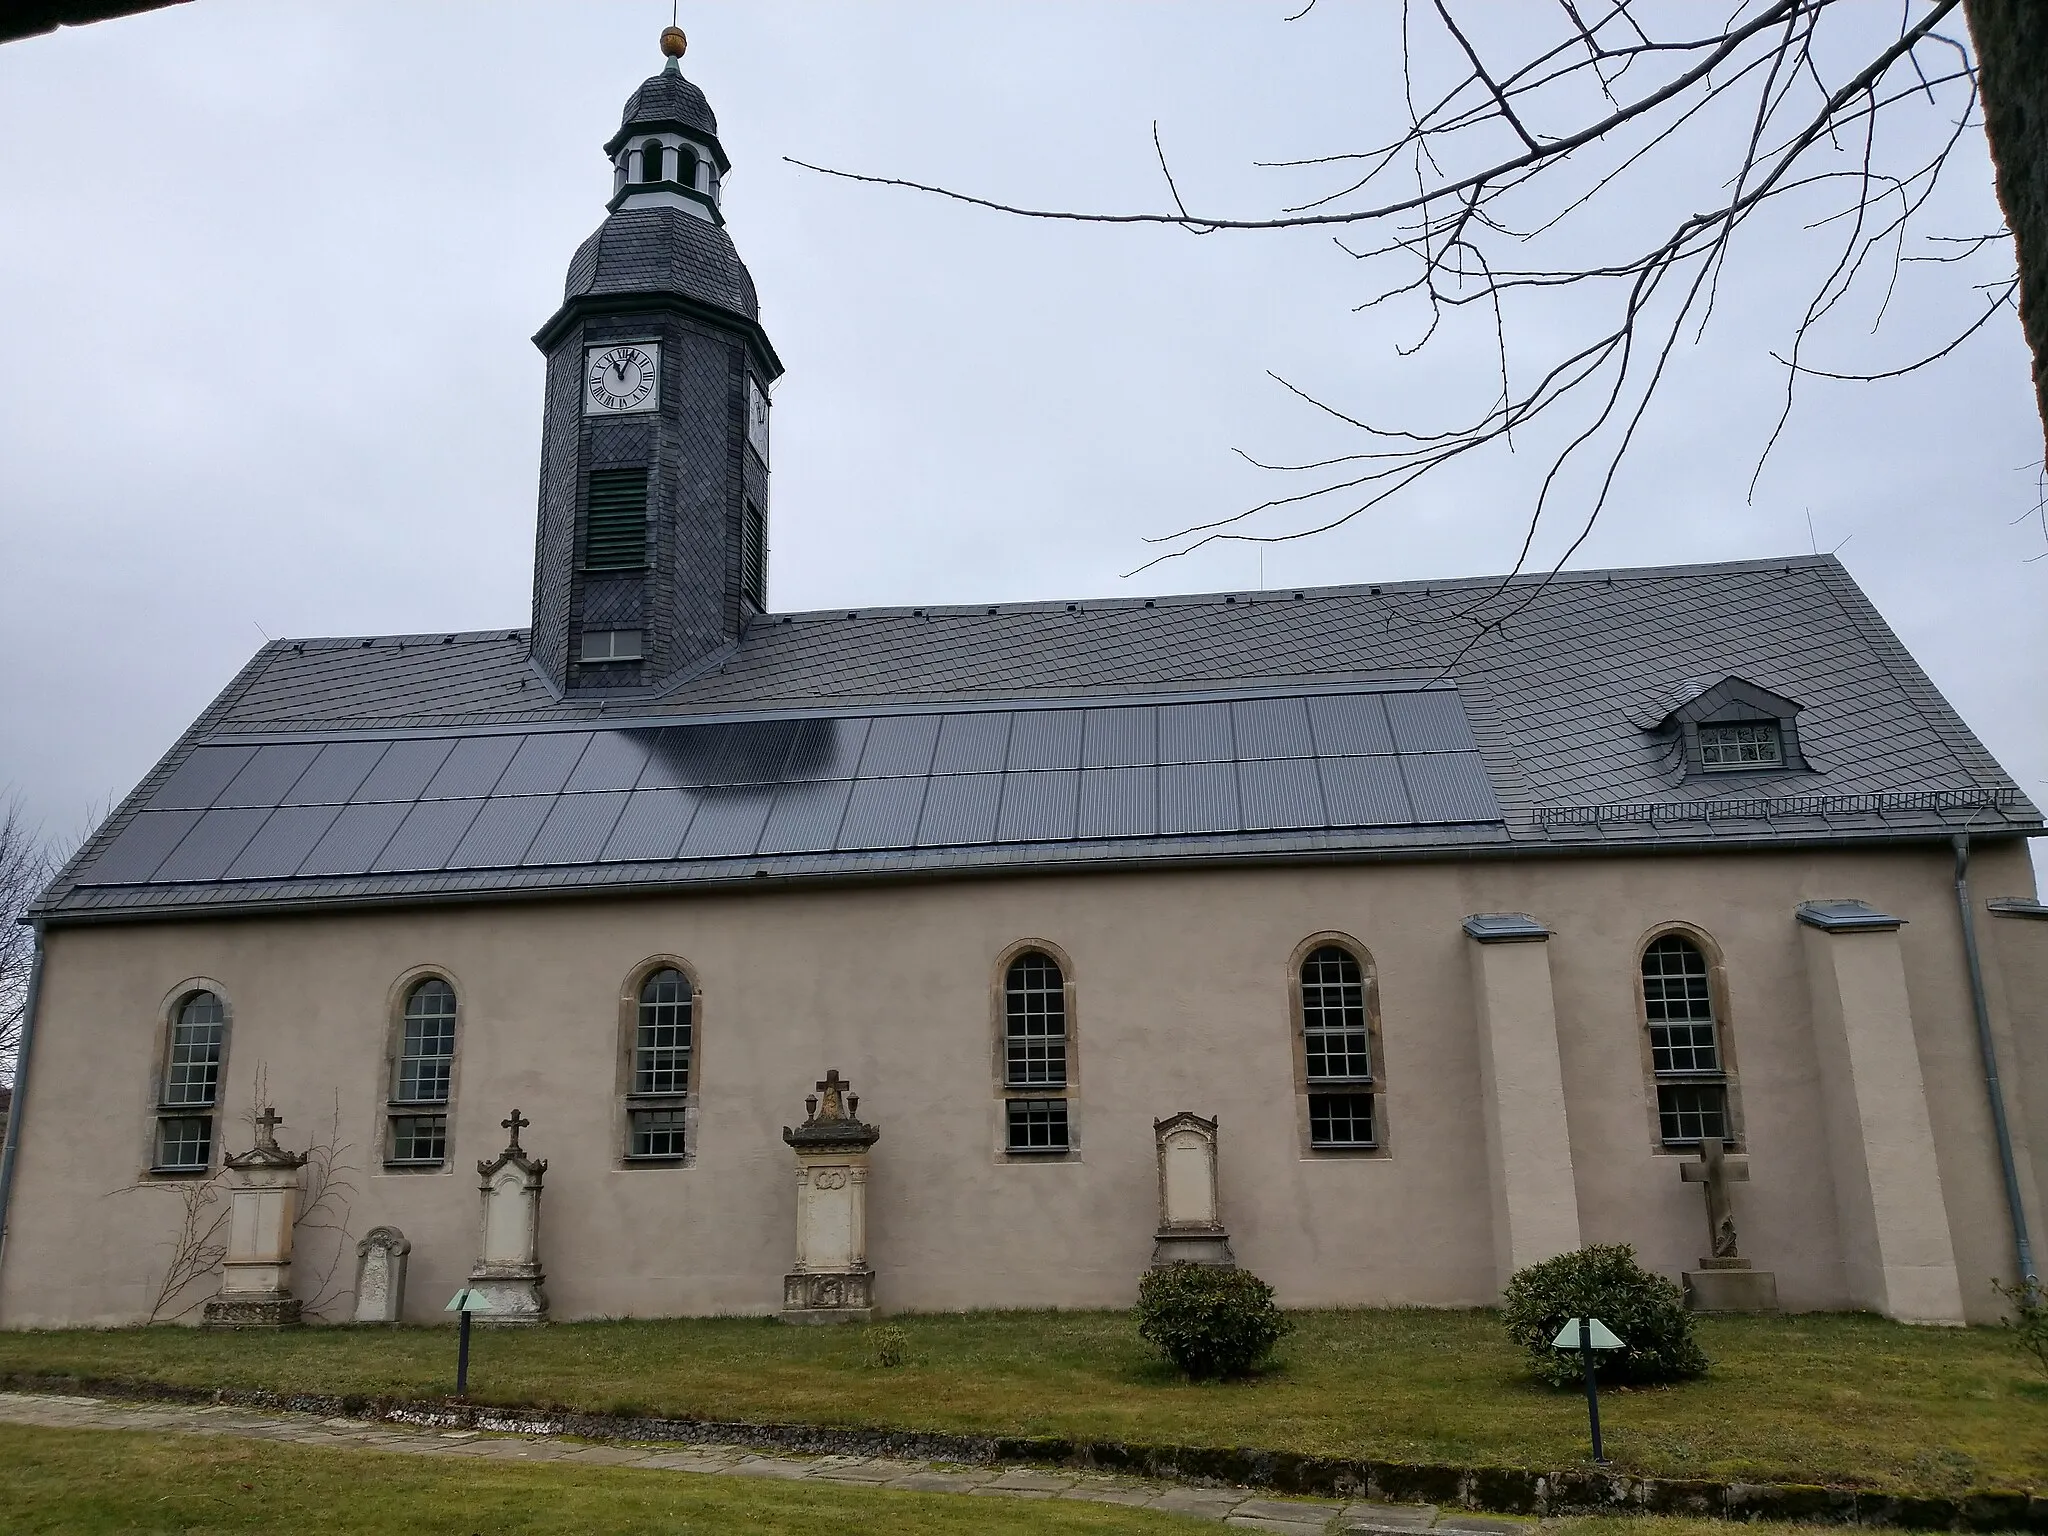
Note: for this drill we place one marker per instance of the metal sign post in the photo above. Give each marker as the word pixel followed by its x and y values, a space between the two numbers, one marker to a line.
pixel 1587 1334
pixel 466 1302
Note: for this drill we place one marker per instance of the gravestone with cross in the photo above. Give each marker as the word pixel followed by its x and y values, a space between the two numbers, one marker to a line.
pixel 507 1274
pixel 263 1210
pixel 1725 1281
pixel 832 1281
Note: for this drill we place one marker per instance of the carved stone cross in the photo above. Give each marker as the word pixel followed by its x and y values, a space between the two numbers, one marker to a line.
pixel 1717 1171
pixel 267 1123
pixel 832 1088
pixel 515 1125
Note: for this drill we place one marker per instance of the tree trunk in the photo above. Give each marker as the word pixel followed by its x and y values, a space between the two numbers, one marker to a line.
pixel 2011 39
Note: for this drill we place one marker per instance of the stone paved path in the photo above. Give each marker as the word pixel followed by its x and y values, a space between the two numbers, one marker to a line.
pixel 1240 1507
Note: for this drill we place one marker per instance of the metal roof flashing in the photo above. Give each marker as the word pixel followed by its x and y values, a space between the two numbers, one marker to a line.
pixel 1847 916
pixel 1505 928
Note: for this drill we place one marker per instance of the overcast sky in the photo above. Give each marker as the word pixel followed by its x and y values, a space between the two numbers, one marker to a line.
pixel 269 275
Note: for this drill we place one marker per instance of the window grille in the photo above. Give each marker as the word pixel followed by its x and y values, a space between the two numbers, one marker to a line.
pixel 657 1133
pixel 192 1075
pixel 1035 1051
pixel 1724 748
pixel 610 645
pixel 419 1138
pixel 756 572
pixel 184 1143
pixel 1333 1021
pixel 650 160
pixel 427 1057
pixel 1340 1120
pixel 1038 1125
pixel 615 529
pixel 1685 1049
pixel 659 1086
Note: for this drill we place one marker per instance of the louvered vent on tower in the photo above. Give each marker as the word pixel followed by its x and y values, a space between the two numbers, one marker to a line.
pixel 615 537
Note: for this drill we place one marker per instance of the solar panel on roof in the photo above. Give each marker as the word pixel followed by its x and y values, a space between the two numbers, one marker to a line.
pixel 268 776
pixel 1197 797
pixel 1039 807
pixel 1194 733
pixel 806 817
pixel 502 832
pixel 1450 786
pixel 428 836
pixel 1280 793
pixel 1429 722
pixel 404 772
pixel 1118 802
pixel 210 847
pixel 200 778
pixel 729 822
pixel 1271 728
pixel 826 749
pixel 141 846
pixel 1350 725
pixel 476 764
pixel 613 760
pixel 577 828
pixel 651 826
pixel 1045 738
pixel 680 757
pixel 543 763
pixel 973 743
pixel 882 813
pixel 1120 738
pixel 753 752
pixel 281 846
pixel 1365 792
pixel 340 767
pixel 899 746
pixel 352 844
pixel 960 809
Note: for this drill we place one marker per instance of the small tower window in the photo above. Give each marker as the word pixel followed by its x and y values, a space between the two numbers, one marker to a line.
pixel 650 160
pixel 755 572
pixel 686 166
pixel 615 535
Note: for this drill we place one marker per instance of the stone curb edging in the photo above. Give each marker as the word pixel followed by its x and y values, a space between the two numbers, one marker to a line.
pixel 1497 1490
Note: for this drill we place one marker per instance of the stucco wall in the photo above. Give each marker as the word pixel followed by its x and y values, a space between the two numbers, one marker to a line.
pixel 1182 1003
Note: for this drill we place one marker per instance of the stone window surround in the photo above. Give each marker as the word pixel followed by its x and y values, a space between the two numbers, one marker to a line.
pixel 999 1023
pixel 623 1098
pixel 387 1084
pixel 1298 1051
pixel 159 1068
pixel 1724 1037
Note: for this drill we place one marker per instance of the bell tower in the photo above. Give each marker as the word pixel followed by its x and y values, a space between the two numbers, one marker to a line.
pixel 651 553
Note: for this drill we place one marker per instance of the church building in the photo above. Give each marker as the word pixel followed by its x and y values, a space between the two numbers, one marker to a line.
pixel 1675 903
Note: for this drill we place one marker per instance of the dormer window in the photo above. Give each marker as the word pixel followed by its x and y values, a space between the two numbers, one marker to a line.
pixel 1753 745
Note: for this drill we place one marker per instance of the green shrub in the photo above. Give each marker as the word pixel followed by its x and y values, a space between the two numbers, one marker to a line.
pixel 1606 1282
pixel 1208 1321
pixel 2029 1321
pixel 887 1344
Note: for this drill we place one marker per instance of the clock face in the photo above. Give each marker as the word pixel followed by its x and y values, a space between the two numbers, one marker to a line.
pixel 757 417
pixel 621 378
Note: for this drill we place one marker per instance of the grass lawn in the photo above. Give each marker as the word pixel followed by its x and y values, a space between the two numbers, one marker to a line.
pixel 83 1482
pixel 1814 1398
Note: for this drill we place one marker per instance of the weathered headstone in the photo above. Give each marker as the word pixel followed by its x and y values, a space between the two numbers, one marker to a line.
pixel 256 1274
pixel 1724 1282
pixel 507 1274
pixel 832 1281
pixel 1191 1227
pixel 380 1276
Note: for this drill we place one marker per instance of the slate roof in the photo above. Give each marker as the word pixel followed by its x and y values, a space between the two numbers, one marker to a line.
pixel 669 98
pixel 1397 721
pixel 662 250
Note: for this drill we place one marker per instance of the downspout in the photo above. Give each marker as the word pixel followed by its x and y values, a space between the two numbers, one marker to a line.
pixel 2021 1244
pixel 19 1108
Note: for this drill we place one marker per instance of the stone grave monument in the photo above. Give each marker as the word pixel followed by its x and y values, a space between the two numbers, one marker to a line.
pixel 507 1275
pixel 256 1274
pixel 832 1281
pixel 1724 1282
pixel 1190 1225
pixel 380 1276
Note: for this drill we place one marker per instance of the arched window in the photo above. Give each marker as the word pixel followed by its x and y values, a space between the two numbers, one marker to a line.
pixel 1036 1047
pixel 650 160
pixel 658 1082
pixel 1336 1037
pixel 686 166
pixel 190 1085
pixel 423 1072
pixel 1686 1058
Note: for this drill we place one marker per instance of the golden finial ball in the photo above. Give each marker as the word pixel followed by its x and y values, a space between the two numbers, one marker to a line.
pixel 673 42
